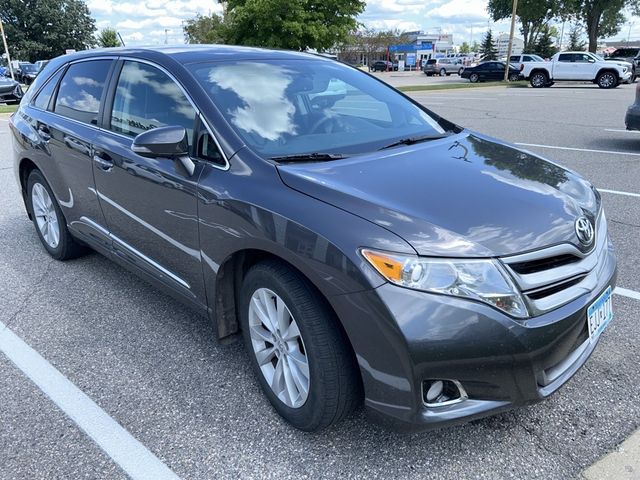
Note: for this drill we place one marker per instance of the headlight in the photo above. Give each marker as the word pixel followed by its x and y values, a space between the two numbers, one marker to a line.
pixel 483 280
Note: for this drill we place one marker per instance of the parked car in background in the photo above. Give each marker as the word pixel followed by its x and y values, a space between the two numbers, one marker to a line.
pixel 576 66
pixel 10 91
pixel 623 63
pixel 383 66
pixel 41 64
pixel 632 119
pixel 525 57
pixel 367 251
pixel 628 54
pixel 490 71
pixel 443 66
pixel 28 73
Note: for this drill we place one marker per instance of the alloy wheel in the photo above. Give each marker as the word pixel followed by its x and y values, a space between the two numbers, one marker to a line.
pixel 538 80
pixel 46 216
pixel 279 348
pixel 607 80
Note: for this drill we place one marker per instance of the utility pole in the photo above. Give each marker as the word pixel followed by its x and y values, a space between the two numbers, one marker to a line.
pixel 513 28
pixel 6 49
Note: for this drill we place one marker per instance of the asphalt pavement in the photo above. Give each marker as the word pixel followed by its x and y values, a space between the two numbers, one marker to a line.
pixel 152 366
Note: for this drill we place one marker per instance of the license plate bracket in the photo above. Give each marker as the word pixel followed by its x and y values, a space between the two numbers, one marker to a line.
pixel 599 314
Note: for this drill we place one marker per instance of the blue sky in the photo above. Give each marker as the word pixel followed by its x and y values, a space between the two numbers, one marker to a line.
pixel 150 21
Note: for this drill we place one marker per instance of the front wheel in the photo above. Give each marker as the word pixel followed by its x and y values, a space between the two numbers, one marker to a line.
pixel 302 359
pixel 514 77
pixel 460 71
pixel 474 78
pixel 607 80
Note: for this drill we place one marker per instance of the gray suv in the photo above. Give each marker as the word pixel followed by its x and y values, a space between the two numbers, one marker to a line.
pixel 443 66
pixel 366 250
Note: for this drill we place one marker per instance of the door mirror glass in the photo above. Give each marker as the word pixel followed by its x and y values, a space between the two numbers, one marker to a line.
pixel 592 60
pixel 169 142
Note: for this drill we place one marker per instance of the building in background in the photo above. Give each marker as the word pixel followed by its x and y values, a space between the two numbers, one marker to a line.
pixel 502 45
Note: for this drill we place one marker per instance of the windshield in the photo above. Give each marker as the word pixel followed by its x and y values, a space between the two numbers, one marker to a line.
pixel 294 107
pixel 29 68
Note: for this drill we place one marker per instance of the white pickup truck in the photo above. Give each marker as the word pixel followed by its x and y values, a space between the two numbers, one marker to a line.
pixel 576 66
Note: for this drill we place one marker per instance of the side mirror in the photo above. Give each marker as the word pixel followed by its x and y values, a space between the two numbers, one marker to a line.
pixel 592 60
pixel 169 142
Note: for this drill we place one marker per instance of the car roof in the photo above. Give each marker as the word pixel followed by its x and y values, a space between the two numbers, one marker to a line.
pixel 197 53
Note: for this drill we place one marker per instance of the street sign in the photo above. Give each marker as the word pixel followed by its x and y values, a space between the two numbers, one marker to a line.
pixel 411 59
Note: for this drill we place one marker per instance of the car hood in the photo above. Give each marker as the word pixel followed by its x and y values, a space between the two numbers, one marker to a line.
pixel 465 196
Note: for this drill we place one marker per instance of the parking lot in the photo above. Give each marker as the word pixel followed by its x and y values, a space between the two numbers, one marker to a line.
pixel 153 368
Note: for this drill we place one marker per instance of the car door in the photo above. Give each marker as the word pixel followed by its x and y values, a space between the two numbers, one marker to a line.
pixel 68 126
pixel 563 67
pixel 584 67
pixel 150 204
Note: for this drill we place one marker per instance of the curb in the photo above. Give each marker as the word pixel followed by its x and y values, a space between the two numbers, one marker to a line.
pixel 621 464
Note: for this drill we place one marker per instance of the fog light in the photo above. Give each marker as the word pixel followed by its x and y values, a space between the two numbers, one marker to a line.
pixel 439 393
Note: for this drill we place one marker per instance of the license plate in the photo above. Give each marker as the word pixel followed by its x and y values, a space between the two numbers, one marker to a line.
pixel 599 314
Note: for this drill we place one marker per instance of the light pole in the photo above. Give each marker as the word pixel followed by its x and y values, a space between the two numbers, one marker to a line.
pixel 6 49
pixel 509 49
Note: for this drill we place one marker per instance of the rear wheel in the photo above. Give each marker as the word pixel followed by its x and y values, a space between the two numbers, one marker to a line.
pixel 49 220
pixel 514 77
pixel 538 80
pixel 607 80
pixel 474 78
pixel 298 351
pixel 443 72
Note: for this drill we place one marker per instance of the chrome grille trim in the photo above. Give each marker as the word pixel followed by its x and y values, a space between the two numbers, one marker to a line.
pixel 587 266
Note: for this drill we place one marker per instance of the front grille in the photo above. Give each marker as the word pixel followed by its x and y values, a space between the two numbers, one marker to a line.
pixel 539 265
pixel 554 276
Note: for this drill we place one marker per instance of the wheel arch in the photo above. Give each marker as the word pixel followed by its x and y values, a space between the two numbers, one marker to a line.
pixel 25 167
pixel 608 70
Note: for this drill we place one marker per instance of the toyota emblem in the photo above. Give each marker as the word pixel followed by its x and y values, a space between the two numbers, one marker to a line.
pixel 584 231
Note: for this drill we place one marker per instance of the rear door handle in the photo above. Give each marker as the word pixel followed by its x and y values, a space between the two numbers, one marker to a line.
pixel 104 161
pixel 43 132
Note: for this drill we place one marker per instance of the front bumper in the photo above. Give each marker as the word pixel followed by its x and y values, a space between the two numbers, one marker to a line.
pixel 502 363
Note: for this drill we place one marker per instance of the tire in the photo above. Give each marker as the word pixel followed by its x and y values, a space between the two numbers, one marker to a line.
pixel 514 77
pixel 607 80
pixel 49 221
pixel 538 80
pixel 460 72
pixel 474 78
pixel 443 72
pixel 333 382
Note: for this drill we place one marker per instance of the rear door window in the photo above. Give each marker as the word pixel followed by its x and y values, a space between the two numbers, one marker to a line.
pixel 147 98
pixel 81 90
pixel 565 57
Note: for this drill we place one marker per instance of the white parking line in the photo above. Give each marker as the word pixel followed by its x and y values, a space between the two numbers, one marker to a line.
pixel 621 131
pixel 616 192
pixel 127 452
pixel 606 152
pixel 627 293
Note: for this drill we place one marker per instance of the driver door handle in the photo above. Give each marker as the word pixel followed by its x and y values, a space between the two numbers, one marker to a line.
pixel 103 160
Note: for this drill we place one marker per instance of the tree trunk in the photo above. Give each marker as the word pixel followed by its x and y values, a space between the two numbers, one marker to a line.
pixel 593 25
pixel 525 35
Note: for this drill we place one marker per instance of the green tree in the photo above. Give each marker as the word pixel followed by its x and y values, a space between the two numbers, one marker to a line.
pixel 108 37
pixel 488 49
pixel 533 16
pixel 475 48
pixel 291 24
pixel 205 29
pixel 576 44
pixel 464 48
pixel 42 29
pixel 601 18
pixel 545 46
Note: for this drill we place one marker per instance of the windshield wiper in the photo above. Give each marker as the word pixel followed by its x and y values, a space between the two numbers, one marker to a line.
pixel 417 139
pixel 309 157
